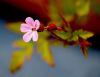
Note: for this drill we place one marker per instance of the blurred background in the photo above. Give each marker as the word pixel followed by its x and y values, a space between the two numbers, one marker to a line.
pixel 69 61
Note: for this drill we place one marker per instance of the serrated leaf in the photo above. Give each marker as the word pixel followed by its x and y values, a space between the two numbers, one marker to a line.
pixel 17 61
pixel 44 50
pixel 73 38
pixel 63 35
pixel 15 27
pixel 85 34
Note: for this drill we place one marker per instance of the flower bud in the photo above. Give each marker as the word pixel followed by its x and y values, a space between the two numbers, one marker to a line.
pixel 41 29
pixel 51 27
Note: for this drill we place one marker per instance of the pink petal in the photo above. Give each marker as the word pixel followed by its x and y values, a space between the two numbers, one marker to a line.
pixel 37 24
pixel 25 27
pixel 29 21
pixel 35 36
pixel 27 37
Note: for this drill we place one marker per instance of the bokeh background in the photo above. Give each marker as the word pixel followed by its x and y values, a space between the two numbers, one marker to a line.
pixel 70 62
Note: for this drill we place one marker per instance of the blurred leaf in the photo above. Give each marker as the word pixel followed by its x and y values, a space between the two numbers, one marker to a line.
pixel 79 33
pixel 29 52
pixel 15 26
pixel 68 6
pixel 85 34
pixel 54 13
pixel 44 34
pixel 26 47
pixel 95 6
pixel 44 50
pixel 17 60
pixel 20 43
pixel 82 7
pixel 18 57
pixel 85 51
pixel 69 17
pixel 73 38
pixel 63 35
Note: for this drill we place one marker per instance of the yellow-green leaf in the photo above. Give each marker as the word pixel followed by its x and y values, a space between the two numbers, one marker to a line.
pixel 82 7
pixel 29 52
pixel 86 34
pixel 83 34
pixel 44 34
pixel 20 43
pixel 15 26
pixel 17 60
pixel 44 50
pixel 63 35
pixel 26 47
pixel 73 38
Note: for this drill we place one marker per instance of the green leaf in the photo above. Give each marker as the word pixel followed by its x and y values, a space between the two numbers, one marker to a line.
pixel 20 43
pixel 29 52
pixel 63 35
pixel 53 12
pixel 85 34
pixel 68 6
pixel 73 38
pixel 95 5
pixel 44 50
pixel 44 34
pixel 17 61
pixel 15 27
pixel 82 7
pixel 80 33
pixel 26 47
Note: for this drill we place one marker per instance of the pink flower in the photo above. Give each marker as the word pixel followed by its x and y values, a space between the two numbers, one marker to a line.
pixel 30 27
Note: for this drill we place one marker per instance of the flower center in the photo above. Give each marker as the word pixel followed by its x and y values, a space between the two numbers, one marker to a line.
pixel 33 29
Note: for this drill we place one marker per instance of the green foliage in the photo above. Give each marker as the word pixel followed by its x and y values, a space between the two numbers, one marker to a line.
pixel 82 7
pixel 74 36
pixel 27 48
pixel 63 35
pixel 19 56
pixel 15 26
pixel 44 50
pixel 17 61
pixel 68 6
pixel 53 12
pixel 95 5
pixel 83 34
